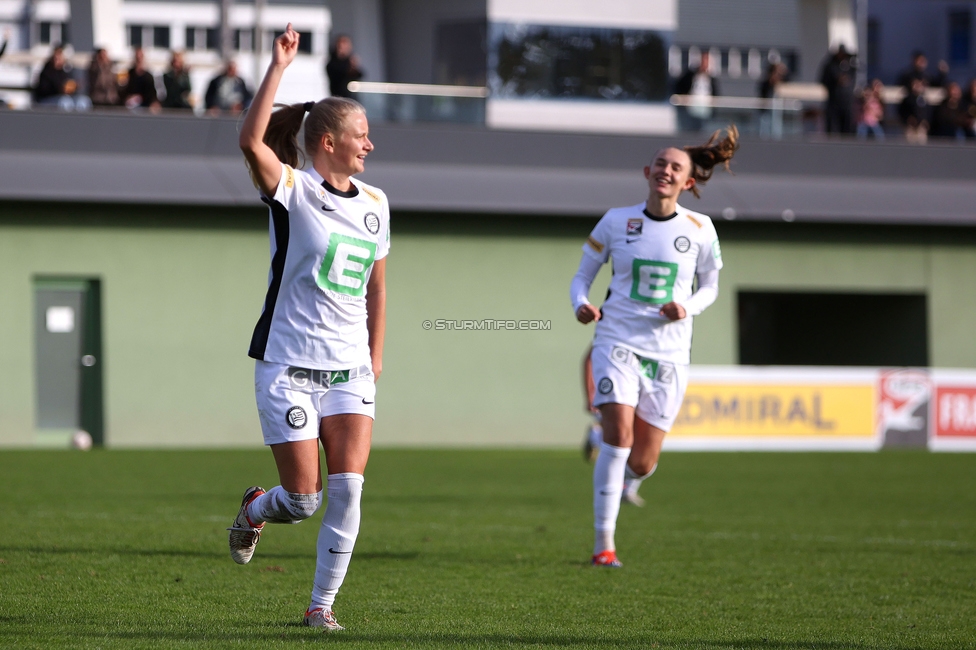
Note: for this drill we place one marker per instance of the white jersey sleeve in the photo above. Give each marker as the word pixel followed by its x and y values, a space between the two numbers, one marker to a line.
pixel 709 252
pixel 597 245
pixel 289 191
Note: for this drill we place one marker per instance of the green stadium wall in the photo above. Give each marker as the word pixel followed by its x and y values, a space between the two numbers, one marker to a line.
pixel 183 287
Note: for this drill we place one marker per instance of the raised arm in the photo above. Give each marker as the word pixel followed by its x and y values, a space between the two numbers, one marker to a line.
pixel 264 164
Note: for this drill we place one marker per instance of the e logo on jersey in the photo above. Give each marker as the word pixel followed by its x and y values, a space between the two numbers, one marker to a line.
pixel 372 222
pixel 635 227
pixel 296 418
pixel 682 244
pixel 345 264
pixel 605 386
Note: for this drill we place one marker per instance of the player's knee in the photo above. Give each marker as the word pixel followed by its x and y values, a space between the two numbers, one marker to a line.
pixel 643 467
pixel 302 506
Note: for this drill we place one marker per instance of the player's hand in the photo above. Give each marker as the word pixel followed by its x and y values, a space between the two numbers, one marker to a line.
pixel 673 311
pixel 377 369
pixel 285 47
pixel 587 314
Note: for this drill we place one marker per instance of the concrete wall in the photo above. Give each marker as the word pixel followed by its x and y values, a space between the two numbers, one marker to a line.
pixel 182 289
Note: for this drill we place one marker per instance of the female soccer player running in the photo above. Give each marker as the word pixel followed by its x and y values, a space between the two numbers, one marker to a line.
pixel 319 341
pixel 642 345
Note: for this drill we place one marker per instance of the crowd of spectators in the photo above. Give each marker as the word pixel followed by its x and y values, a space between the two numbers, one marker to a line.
pixel 136 88
pixel 862 111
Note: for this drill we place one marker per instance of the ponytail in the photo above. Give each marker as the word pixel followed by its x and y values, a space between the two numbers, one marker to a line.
pixel 282 134
pixel 327 116
pixel 706 157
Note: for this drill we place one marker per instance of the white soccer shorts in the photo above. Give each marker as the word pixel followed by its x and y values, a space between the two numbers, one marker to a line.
pixel 292 401
pixel 655 388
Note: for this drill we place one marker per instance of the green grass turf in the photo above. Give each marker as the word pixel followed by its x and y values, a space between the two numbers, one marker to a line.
pixel 126 549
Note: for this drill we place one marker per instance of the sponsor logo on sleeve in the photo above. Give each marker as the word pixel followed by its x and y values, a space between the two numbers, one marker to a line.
pixel 594 244
pixel 371 194
pixel 289 177
pixel 605 386
pixel 296 418
pixel 682 244
pixel 372 222
pixel 716 250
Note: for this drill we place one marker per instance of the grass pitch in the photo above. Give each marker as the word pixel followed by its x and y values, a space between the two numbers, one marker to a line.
pixel 125 549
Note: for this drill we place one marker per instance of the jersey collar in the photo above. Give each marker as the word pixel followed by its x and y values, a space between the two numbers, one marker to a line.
pixel 352 192
pixel 653 218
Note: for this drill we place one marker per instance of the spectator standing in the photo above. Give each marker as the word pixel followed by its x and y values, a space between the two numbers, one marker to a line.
pixel 343 67
pixel 227 92
pixel 103 85
pixel 915 72
pixel 914 113
pixel 950 119
pixel 140 90
pixel 55 87
pixel 969 106
pixel 176 81
pixel 941 77
pixel 837 76
pixel 872 112
pixel 776 74
pixel 701 86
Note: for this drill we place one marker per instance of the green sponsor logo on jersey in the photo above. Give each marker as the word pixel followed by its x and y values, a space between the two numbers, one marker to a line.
pixel 653 282
pixel 716 250
pixel 345 265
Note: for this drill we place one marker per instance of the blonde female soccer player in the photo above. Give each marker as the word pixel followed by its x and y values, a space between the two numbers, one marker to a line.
pixel 642 345
pixel 318 344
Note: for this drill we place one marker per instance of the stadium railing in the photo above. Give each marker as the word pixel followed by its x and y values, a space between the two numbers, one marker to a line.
pixel 399 102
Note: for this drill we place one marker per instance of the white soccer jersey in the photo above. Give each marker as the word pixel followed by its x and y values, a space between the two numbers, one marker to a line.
pixel 654 262
pixel 323 245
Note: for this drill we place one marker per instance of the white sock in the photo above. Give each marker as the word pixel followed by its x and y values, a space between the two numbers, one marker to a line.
pixel 279 506
pixel 608 481
pixel 337 537
pixel 632 481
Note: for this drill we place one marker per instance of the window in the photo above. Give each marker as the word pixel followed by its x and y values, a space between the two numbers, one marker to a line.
pixel 460 53
pixel 779 328
pixel 52 33
pixel 135 35
pixel 202 38
pixel 577 62
pixel 734 62
pixel 960 30
pixel 244 40
pixel 161 37
pixel 149 36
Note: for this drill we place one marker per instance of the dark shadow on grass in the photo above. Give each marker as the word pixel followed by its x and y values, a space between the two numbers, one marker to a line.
pixel 295 631
pixel 144 552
